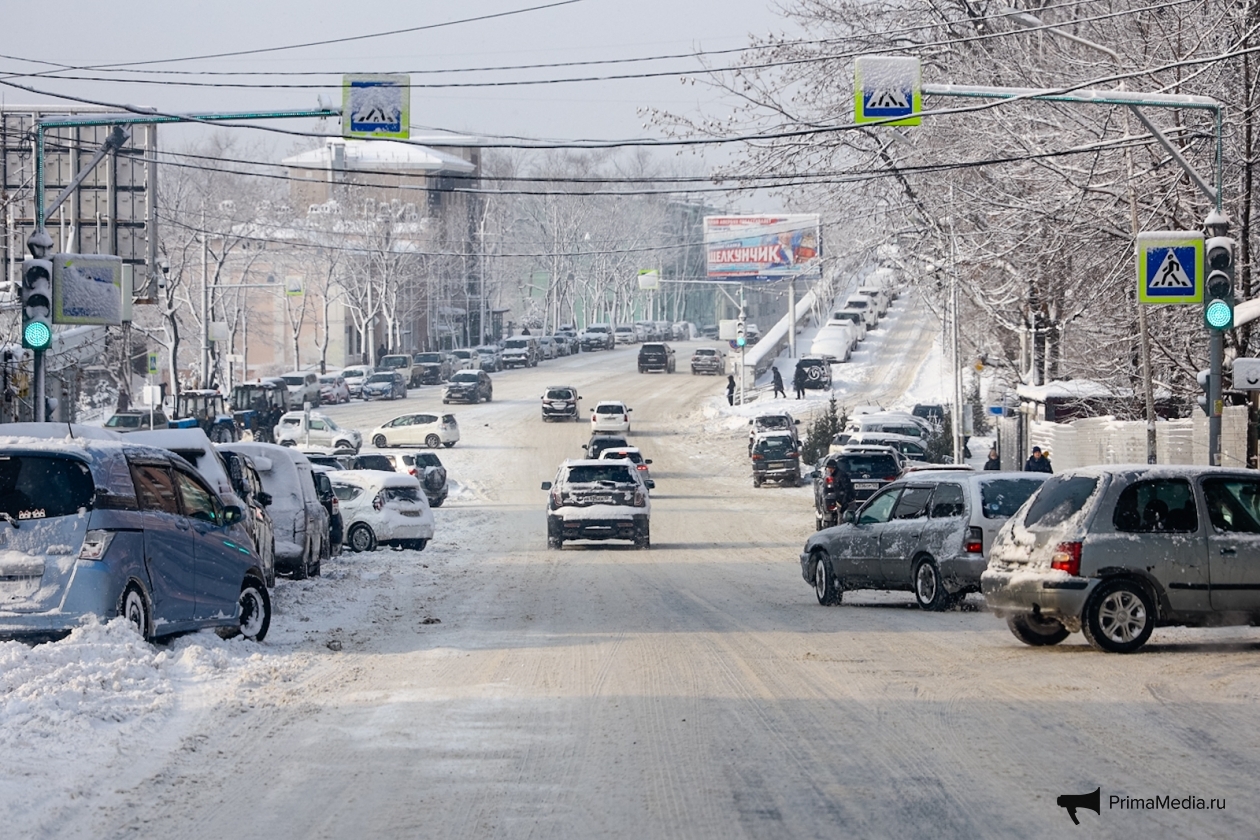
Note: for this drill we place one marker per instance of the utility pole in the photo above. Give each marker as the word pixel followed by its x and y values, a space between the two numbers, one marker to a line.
pixel 205 302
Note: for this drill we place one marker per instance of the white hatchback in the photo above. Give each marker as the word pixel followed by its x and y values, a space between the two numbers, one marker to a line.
pixel 610 416
pixel 431 430
pixel 382 507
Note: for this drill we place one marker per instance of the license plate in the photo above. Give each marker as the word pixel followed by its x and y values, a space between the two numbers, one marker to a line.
pixel 865 485
pixel 776 465
pixel 410 512
pixel 600 500
pixel 558 405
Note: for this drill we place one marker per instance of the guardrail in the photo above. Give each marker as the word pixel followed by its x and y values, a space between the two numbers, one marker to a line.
pixel 759 357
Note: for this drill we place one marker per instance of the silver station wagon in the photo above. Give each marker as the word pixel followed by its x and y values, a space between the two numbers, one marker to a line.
pixel 1117 551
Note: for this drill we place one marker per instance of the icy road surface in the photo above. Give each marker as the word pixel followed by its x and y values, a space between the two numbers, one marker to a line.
pixel 487 687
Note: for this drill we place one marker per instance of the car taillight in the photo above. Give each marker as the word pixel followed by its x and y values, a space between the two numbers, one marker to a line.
pixel 336 505
pixel 641 467
pixel 378 501
pixel 411 471
pixel 974 544
pixel 831 479
pixel 640 498
pixel 890 478
pixel 1067 558
pixel 95 544
pixel 756 457
pixel 555 498
pixel 625 418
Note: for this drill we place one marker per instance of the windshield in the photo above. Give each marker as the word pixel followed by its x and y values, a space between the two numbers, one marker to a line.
pixel 598 472
pixel 295 381
pixel 428 359
pixel 1000 498
pixel 394 361
pixel 622 455
pixel 373 462
pixel 43 486
pixel 123 421
pixel 466 377
pixel 354 373
pixel 517 343
pixel 402 494
pixel 381 377
pixel 559 394
pixel 625 329
pixel 424 459
pixel 463 354
pixel 594 328
pixel 328 380
pixel 774 422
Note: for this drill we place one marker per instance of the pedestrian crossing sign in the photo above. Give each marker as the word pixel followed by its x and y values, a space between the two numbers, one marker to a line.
pixel 1170 267
pixel 887 90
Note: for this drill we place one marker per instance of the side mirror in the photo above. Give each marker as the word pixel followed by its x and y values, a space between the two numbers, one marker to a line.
pixel 629 409
pixel 264 498
pixel 848 516
pixel 647 460
pixel 797 422
pixel 546 485
pixel 232 514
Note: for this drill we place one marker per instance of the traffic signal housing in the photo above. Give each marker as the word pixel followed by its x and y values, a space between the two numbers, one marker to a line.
pixel 741 336
pixel 1205 399
pixel 1218 288
pixel 36 304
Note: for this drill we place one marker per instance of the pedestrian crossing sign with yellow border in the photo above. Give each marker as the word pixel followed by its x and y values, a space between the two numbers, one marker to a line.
pixel 1170 267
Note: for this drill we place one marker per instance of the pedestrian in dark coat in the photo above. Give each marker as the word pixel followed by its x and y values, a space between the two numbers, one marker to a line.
pixel 1037 462
pixel 994 462
pixel 778 382
pixel 730 390
pixel 799 382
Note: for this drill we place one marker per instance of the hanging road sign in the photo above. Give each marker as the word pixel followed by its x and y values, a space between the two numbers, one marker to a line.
pixel 1170 267
pixel 153 363
pixel 649 279
pixel 376 106
pixel 293 286
pixel 87 289
pixel 887 88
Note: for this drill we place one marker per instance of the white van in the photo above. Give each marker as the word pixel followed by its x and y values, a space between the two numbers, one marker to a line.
pixel 878 296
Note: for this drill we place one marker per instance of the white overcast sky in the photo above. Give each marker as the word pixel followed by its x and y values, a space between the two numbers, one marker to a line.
pixel 81 33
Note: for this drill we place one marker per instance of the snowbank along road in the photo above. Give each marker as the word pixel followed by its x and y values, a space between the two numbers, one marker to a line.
pixel 489 687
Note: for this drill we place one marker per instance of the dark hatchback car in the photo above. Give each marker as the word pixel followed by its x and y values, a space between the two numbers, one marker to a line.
pixel 604 440
pixel 656 357
pixel 104 528
pixel 868 471
pixel 471 386
pixel 560 402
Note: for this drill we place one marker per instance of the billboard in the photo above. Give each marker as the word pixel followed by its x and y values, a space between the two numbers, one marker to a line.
pixel 87 289
pixel 762 248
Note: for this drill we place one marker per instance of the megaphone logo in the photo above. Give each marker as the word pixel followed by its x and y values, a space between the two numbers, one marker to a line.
pixel 1072 801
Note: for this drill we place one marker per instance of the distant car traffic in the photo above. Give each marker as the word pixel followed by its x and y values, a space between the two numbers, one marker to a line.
pixel 710 360
pixel 333 389
pixel 292 430
pixel 634 456
pixel 354 378
pixel 431 368
pixel 134 421
pixel 424 466
pixel 656 356
pixel 776 456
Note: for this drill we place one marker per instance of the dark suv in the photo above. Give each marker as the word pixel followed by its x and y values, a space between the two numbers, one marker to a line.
pixel 601 441
pixel 868 471
pixel 776 457
pixel 817 372
pixel 656 356
pixel 431 368
pixel 469 386
pixel 560 402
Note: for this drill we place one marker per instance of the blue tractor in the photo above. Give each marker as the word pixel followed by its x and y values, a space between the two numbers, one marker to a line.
pixel 205 410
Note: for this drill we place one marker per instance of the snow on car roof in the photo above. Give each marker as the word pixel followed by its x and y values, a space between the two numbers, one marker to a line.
pixel 373 478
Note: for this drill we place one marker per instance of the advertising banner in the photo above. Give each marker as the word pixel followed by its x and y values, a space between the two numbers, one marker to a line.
pixel 762 248
pixel 87 289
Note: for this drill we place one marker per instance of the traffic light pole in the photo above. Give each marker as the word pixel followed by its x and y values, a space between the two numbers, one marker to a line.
pixel 1216 361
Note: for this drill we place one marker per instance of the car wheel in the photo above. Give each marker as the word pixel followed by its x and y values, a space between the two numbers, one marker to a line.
pixel 343 444
pixel 1037 631
pixel 490 396
pixel 288 443
pixel 1119 617
pixel 271 575
pixel 643 538
pixel 827 587
pixel 555 542
pixel 379 442
pixel 756 481
pixel 135 608
pixel 255 604
pixel 361 538
pixel 436 502
pixel 449 444
pixel 433 441
pixel 929 589
pixel 299 573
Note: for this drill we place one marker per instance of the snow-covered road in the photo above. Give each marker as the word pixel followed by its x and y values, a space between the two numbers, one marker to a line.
pixel 488 687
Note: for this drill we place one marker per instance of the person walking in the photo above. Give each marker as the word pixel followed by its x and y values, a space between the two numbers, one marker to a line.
pixel 994 462
pixel 730 390
pixel 1037 462
pixel 799 382
pixel 778 383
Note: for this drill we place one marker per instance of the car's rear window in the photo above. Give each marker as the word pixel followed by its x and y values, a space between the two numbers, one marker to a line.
pixel 465 376
pixel 44 486
pixel 774 446
pixel 1001 497
pixel 1059 499
pixel 346 492
pixel 559 394
pixel 589 474
pixel 123 421
pixel 517 343
pixel 871 464
pixel 610 409
pixel 422 459
pixel 616 454
pixel 402 494
pixel 381 377
pixel 374 462
pixel 703 352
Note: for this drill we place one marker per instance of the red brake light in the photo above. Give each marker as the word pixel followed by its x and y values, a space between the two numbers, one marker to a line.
pixel 1067 558
pixel 759 457
pixel 974 544
pixel 831 479
pixel 890 478
pixel 641 467
pixel 411 471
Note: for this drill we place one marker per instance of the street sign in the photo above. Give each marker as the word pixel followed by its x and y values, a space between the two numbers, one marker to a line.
pixel 87 289
pixel 293 286
pixel 726 329
pixel 734 344
pixel 649 279
pixel 887 88
pixel 1247 374
pixel 376 106
pixel 153 363
pixel 1170 267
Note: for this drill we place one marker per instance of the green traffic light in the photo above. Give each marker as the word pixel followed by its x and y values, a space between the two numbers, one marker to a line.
pixel 1219 314
pixel 36 335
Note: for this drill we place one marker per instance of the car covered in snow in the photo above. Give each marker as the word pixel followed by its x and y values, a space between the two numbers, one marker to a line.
pixel 776 456
pixel 354 377
pixel 927 533
pixel 333 389
pixel 431 430
pixel 294 430
pixel 603 440
pixel 772 423
pixel 134 421
pixel 107 528
pixel 597 500
pixel 382 508
pixel 298 516
pixel 1116 551
pixel 708 360
pixel 423 465
pixel 634 456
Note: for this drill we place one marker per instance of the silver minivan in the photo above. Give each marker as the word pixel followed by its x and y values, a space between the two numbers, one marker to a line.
pixel 1116 551
pixel 926 533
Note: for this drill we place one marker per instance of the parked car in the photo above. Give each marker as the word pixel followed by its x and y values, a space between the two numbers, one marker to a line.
pixel 926 533
pixel 324 490
pixel 385 385
pixel 597 500
pixel 354 377
pixel 866 306
pixel 399 363
pixel 625 334
pixel 520 351
pixel 563 345
pixel 597 337
pixel 776 456
pixel 464 359
pixel 752 334
pixel 106 528
pixel 853 318
pixel 634 456
pixel 303 387
pixel 322 430
pixel 297 514
pixel 431 430
pixel 888 422
pixel 134 421
pixel 778 422
pixel 708 360
pixel 567 330
pixel 912 448
pixel 709 331
pixel 197 449
pixel 546 348
pixel 601 441
pixel 611 416
pixel 249 489
pixel 431 368
pixel 424 466
pixel 490 357
pixel 868 470
pixel 817 372
pixel 382 508
pixel 471 386
pixel 333 389
pixel 656 356
pixel 560 402
pixel 1116 551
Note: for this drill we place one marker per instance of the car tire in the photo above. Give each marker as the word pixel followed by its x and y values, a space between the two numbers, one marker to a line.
pixel 929 589
pixel 449 444
pixel 343 444
pixel 134 607
pixel 271 582
pixel 756 481
pixel 436 503
pixel 299 572
pixel 1037 631
pixel 490 396
pixel 827 587
pixel 288 443
pixel 361 538
pixel 643 538
pixel 1119 617
pixel 555 542
pixel 255 618
pixel 380 442
pixel 433 441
